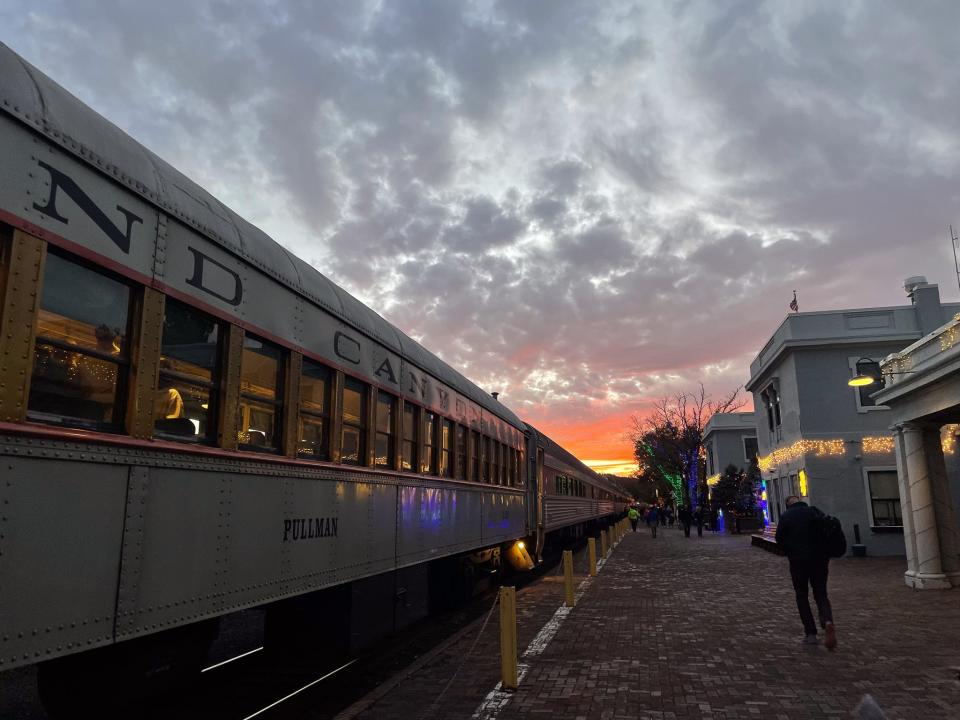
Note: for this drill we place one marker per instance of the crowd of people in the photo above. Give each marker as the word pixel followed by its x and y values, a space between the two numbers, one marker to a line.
pixel 664 516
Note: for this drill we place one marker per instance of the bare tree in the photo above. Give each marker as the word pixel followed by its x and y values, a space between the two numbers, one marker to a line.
pixel 668 442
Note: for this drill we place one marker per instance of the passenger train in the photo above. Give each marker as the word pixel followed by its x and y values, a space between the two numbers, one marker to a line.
pixel 193 422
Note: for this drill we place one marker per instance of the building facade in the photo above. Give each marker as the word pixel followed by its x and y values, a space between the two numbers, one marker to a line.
pixel 827 442
pixel 729 439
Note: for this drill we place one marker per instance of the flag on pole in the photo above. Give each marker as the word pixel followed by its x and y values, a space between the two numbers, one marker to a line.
pixel 793 303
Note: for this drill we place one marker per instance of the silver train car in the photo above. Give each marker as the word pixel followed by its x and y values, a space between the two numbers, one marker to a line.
pixel 193 421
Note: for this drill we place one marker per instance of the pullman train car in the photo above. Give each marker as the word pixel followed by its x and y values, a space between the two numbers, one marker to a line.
pixel 193 421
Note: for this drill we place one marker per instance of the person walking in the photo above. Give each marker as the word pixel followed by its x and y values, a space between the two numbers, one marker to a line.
pixel 653 520
pixel 634 516
pixel 698 520
pixel 809 566
pixel 685 518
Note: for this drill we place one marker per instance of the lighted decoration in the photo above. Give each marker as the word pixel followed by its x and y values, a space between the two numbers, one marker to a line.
pixel 871 444
pixel 713 480
pixel 803 483
pixel 819 448
pixel 949 338
pixel 881 444
pixel 948 438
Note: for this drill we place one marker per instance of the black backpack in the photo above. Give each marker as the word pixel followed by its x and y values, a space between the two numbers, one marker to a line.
pixel 830 538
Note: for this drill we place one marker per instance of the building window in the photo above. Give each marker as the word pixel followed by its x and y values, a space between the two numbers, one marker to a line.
pixel 430 428
pixel 313 439
pixel 710 459
pixel 353 445
pixel 81 359
pixel 261 383
pixel 461 452
pixel 446 448
pixel 867 366
pixel 751 449
pixel 185 405
pixel 768 408
pixel 885 498
pixel 410 437
pixel 384 447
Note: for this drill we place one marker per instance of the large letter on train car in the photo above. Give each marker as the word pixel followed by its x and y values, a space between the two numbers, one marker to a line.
pixel 200 261
pixel 59 180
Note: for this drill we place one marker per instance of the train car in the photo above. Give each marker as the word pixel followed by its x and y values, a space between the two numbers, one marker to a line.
pixel 193 421
pixel 568 499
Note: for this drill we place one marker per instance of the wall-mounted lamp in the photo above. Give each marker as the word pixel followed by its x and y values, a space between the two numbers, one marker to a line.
pixel 868 373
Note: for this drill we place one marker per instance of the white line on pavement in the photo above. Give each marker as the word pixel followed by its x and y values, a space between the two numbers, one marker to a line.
pixel 249 652
pixel 296 692
pixel 497 699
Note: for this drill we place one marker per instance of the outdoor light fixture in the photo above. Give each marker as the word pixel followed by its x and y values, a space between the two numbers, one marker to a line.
pixel 868 373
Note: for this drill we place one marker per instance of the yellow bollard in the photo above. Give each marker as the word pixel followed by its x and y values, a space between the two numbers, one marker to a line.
pixel 508 638
pixel 592 553
pixel 568 576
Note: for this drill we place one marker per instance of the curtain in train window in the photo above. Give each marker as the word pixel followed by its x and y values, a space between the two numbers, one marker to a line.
pixel 428 463
pixel 446 448
pixel 385 443
pixel 261 390
pixel 81 359
pixel 476 452
pixel 410 437
pixel 185 404
pixel 461 452
pixel 354 434
pixel 313 429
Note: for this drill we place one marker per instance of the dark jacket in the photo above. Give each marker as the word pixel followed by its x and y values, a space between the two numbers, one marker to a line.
pixel 796 533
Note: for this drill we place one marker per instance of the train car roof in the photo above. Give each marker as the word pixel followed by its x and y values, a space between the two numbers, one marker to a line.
pixel 551 446
pixel 40 103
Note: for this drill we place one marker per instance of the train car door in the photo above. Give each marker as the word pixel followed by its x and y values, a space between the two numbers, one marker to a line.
pixel 541 534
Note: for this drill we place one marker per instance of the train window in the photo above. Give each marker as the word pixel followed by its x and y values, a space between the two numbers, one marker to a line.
pixel 446 448
pixel 476 452
pixel 384 448
pixel 410 425
pixel 313 432
pixel 81 359
pixel 185 404
pixel 511 466
pixel 461 452
pixel 261 382
pixel 353 443
pixel 428 463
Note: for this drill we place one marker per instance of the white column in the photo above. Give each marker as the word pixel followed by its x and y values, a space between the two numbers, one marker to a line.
pixel 929 569
pixel 942 506
pixel 906 507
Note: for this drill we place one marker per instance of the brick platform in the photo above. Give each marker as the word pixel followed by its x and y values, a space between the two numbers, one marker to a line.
pixel 690 628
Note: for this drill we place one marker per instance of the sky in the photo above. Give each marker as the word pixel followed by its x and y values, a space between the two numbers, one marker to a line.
pixel 582 205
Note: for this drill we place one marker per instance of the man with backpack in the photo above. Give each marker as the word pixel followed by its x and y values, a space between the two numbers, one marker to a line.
pixel 809 538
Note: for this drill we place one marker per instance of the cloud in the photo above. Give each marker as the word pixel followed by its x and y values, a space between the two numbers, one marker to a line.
pixel 583 206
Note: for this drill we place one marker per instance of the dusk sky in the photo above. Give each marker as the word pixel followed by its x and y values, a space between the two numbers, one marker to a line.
pixel 581 205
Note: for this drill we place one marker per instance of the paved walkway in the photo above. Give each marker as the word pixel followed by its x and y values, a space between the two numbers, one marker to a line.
pixel 689 628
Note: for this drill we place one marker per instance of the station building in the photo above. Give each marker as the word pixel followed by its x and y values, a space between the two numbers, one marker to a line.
pixel 729 439
pixel 830 443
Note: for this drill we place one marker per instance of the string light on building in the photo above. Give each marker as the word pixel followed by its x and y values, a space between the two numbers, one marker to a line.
pixel 881 444
pixel 871 444
pixel 818 448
